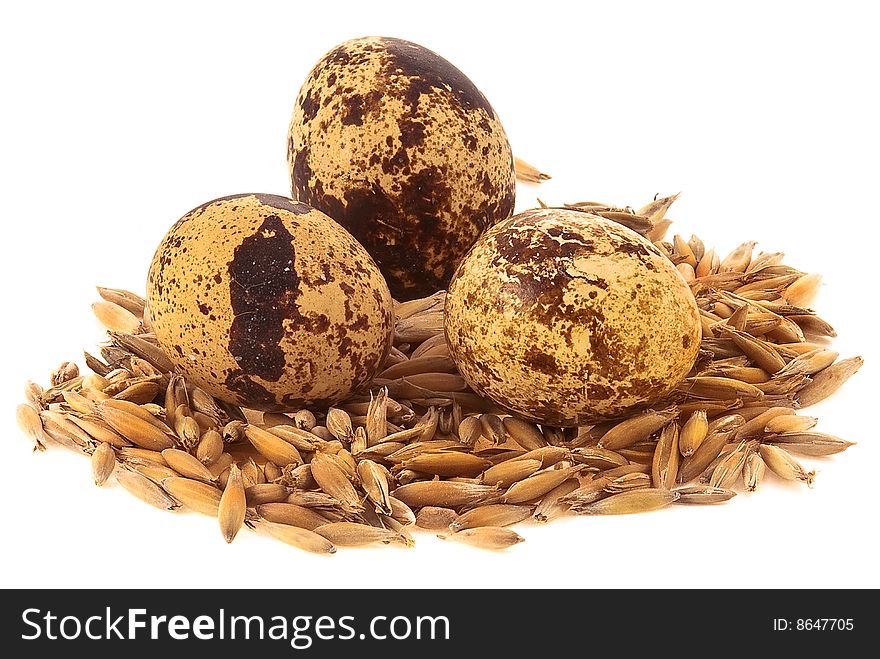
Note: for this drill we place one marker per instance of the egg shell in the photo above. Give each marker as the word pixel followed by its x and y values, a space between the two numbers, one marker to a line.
pixel 402 149
pixel 267 303
pixel 566 318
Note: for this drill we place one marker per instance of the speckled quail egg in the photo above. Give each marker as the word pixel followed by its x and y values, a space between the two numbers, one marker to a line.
pixel 567 318
pixel 268 303
pixel 401 148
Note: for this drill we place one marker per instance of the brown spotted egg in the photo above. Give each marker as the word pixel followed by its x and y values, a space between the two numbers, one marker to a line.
pixel 268 303
pixel 566 318
pixel 399 146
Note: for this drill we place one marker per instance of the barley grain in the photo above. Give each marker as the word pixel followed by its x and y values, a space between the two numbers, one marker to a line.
pixel 703 494
pixel 447 464
pixel 374 481
pixel 339 424
pixel 272 447
pixel 598 458
pixel 815 444
pixel 635 501
pixel 445 494
pixel 291 514
pixel 31 425
pixel 116 318
pixel 261 493
pixel 469 430
pixel 195 495
pixel 785 466
pixel 664 467
pixel 497 514
pixel 210 447
pixel 154 471
pixel 486 537
pixel 186 465
pixel 693 432
pixel 132 302
pixel 351 534
pixel 333 480
pixel 630 481
pixel 103 463
pixel 728 470
pixel 233 505
pixel 753 471
pixel 539 484
pixel 635 429
pixel 146 490
pixel 505 474
pixel 300 538
pixel 828 381
pixel 551 505
pixel 693 465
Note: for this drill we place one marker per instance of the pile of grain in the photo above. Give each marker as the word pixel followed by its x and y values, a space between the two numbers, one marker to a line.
pixel 419 449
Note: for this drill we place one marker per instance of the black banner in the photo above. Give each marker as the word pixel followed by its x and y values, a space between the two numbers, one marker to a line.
pixel 316 623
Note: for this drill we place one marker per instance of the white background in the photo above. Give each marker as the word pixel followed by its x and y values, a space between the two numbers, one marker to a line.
pixel 117 118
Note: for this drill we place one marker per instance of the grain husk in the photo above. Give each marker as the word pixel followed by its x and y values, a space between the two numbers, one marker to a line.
pixel 635 480
pixel 272 447
pixel 261 493
pixel 539 484
pixel 692 466
pixel 210 447
pixel 509 472
pixel 29 422
pixel 728 470
pixel 298 537
pixel 126 299
pixel 334 481
pixel 550 506
pixel 703 495
pixel 103 463
pixel 447 463
pixel 636 429
pixel 783 465
pixel 486 537
pixel 186 465
pixel 828 381
pixel 755 427
pixel 339 424
pixel 693 432
pixel 135 428
pixel 60 429
pixel 625 503
pixel 664 467
pixel 146 490
pixel 374 481
pixel 497 514
pixel 753 471
pixel 524 433
pixel 816 444
pixel 99 431
pixel 546 455
pixel 352 534
pixel 598 458
pixel 233 505
pixel 291 514
pixel 469 430
pixel 435 518
pixel 445 494
pixel 196 495
pixel 155 472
